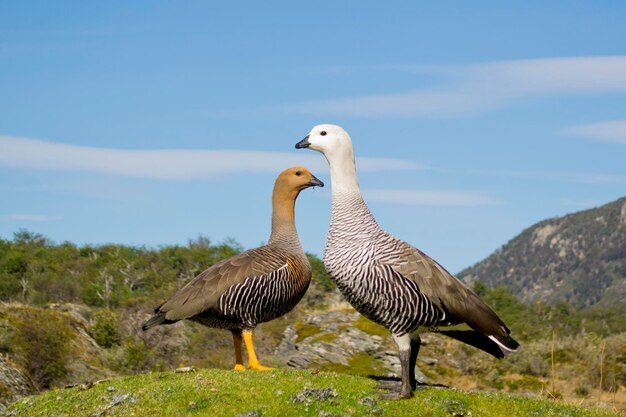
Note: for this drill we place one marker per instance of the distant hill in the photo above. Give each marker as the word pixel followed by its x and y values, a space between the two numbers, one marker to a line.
pixel 579 258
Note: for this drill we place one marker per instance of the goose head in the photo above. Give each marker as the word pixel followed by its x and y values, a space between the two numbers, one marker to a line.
pixel 296 179
pixel 331 140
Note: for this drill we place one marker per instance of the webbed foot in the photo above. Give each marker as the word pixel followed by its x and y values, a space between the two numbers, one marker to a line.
pixel 259 367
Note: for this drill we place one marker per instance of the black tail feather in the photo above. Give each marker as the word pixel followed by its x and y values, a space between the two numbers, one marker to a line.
pixel 475 339
pixel 158 318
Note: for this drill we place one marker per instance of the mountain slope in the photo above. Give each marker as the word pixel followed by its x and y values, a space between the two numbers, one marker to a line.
pixel 580 258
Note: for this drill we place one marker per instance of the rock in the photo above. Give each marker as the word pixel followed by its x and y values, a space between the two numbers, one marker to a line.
pixel 310 395
pixel 14 382
pixel 298 362
pixel 389 360
pixel 288 343
pixel 336 343
pixel 428 360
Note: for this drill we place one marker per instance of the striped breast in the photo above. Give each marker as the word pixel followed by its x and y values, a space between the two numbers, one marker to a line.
pixel 354 257
pixel 258 299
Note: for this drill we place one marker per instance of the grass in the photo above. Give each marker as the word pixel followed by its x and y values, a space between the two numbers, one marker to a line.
pixel 366 325
pixel 280 392
pixel 360 363
pixel 306 330
pixel 326 337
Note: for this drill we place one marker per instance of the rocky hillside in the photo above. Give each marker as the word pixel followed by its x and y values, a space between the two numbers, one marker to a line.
pixel 580 258
pixel 14 382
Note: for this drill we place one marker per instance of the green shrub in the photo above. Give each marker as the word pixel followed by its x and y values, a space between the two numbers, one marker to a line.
pixel 104 330
pixel 40 343
pixel 319 274
pixel 493 380
pixel 135 357
pixel 525 383
pixel 582 390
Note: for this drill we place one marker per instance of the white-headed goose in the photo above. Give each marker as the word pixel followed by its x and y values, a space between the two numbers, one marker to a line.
pixel 390 281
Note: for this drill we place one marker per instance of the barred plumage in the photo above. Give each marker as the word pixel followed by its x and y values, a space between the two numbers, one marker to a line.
pixel 390 281
pixel 252 287
pixel 358 255
pixel 282 290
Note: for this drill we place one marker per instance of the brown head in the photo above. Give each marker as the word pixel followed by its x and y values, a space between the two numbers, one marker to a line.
pixel 286 189
pixel 293 180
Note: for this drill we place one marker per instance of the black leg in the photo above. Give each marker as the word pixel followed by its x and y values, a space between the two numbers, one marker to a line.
pixel 404 353
pixel 405 389
pixel 396 385
pixel 415 348
pixel 405 358
pixel 237 345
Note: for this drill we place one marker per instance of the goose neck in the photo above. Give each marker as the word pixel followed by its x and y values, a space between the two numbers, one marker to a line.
pixel 343 177
pixel 283 220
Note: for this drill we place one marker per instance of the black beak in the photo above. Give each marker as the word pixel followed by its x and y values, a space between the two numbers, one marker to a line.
pixel 304 143
pixel 314 181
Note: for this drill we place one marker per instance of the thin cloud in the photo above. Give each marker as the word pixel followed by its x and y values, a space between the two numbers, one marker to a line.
pixel 576 177
pixel 173 164
pixel 591 178
pixel 429 197
pixel 30 217
pixel 612 131
pixel 475 88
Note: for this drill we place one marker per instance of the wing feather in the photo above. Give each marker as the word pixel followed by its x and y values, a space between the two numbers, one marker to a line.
pixel 461 304
pixel 203 292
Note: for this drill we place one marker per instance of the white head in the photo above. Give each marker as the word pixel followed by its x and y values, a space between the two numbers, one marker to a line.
pixel 331 140
pixel 336 145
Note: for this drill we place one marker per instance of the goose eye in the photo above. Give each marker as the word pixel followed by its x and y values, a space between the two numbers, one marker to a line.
pixel 298 173
pixel 323 133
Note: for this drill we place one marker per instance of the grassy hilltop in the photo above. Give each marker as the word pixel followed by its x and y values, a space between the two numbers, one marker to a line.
pixel 277 393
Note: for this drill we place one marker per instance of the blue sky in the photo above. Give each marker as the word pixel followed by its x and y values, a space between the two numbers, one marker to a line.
pixel 151 123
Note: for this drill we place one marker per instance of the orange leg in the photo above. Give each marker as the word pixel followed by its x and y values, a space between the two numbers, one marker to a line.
pixel 253 361
pixel 238 358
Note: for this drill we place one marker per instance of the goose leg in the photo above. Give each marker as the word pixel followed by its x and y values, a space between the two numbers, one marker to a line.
pixel 253 361
pixel 238 357
pixel 415 348
pixel 396 385
pixel 404 353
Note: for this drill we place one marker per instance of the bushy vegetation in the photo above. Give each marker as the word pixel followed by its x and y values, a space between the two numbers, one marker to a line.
pixel 104 329
pixel 36 271
pixel 39 340
pixel 120 285
pixel 589 344
pixel 538 320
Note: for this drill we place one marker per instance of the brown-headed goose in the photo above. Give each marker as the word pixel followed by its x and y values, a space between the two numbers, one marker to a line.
pixel 254 286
